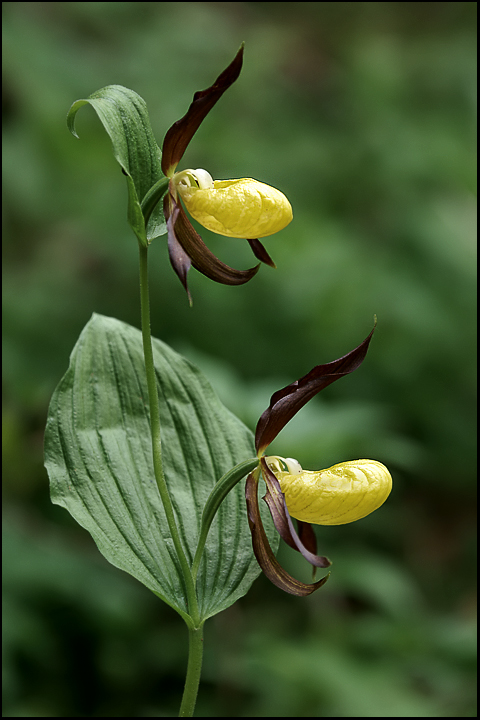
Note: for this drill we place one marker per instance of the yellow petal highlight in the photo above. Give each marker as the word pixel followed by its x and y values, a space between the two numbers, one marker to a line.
pixel 243 208
pixel 341 494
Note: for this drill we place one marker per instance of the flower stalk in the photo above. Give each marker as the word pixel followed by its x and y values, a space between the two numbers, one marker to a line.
pixel 195 626
pixel 156 437
pixel 194 671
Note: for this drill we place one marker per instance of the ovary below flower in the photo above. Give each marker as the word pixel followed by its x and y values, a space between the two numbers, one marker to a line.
pixel 341 494
pixel 243 208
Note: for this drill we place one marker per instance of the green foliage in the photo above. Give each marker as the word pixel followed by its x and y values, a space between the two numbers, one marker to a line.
pixel 364 115
pixel 124 116
pixel 99 458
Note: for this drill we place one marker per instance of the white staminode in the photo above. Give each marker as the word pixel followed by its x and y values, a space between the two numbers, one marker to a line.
pixel 275 462
pixel 198 178
pixel 294 467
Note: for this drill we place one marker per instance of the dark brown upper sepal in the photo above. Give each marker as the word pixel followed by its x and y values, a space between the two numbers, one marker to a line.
pixel 179 135
pixel 285 403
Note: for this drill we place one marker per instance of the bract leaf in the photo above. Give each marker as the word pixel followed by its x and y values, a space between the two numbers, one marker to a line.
pixel 99 458
pixel 179 259
pixel 285 403
pixel 124 116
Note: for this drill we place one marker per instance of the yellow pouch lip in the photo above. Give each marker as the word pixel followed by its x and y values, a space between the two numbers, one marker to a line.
pixel 338 495
pixel 238 208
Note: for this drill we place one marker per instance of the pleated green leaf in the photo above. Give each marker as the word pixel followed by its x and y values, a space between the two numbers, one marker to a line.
pixel 124 116
pixel 99 459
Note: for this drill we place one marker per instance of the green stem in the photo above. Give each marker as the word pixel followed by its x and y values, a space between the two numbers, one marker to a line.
pixel 194 669
pixel 156 440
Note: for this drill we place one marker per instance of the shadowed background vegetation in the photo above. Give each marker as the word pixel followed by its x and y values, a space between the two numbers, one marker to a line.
pixel 363 114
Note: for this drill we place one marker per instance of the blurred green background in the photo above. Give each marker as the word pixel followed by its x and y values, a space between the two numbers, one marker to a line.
pixel 364 115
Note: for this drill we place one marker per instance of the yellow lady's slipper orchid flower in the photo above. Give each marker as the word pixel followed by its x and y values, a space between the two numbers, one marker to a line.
pixel 243 208
pixel 341 494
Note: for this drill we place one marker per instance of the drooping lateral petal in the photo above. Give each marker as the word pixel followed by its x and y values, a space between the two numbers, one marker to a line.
pixel 201 257
pixel 307 536
pixel 285 403
pixel 179 135
pixel 263 552
pixel 275 500
pixel 179 259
